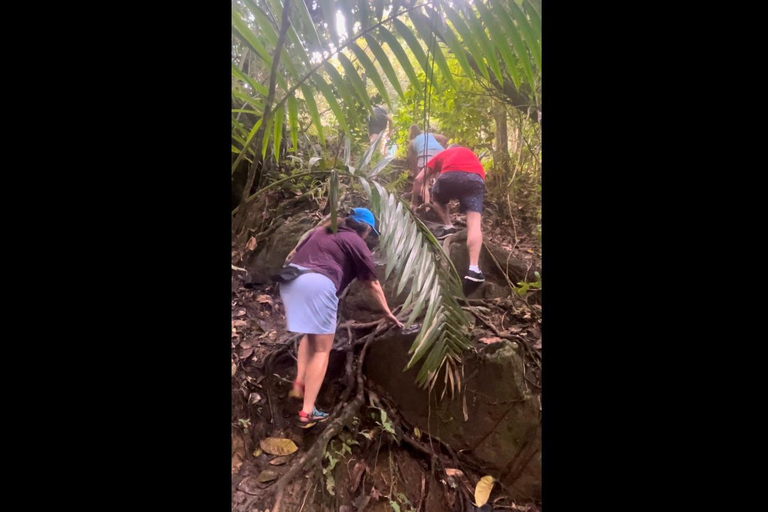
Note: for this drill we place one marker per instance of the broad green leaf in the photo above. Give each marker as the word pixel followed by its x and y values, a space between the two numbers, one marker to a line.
pixel 499 41
pixel 406 240
pixel 413 44
pixel 357 83
pixel 395 7
pixel 453 43
pixel 256 102
pixel 346 8
pixel 381 165
pixel 306 21
pixel 264 24
pixel 299 52
pixel 420 300
pixel 313 112
pixel 520 49
pixel 267 132
pixel 402 58
pixel 535 19
pixel 383 60
pixel 278 125
pixel 329 15
pixel 436 359
pixel 293 122
pixel 485 42
pixel 378 9
pixel 405 276
pixel 369 152
pixel 249 38
pixel 396 237
pixel 425 28
pixel 331 99
pixel 366 186
pixel 527 31
pixel 246 144
pixel 250 81
pixel 418 289
pixel 371 72
pixel 347 151
pixel 363 14
pixel 340 84
pixel 467 39
pixel 424 339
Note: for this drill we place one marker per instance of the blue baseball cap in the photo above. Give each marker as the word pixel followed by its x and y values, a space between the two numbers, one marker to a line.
pixel 364 215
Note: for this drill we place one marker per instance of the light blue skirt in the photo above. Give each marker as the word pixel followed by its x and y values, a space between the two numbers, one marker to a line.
pixel 310 304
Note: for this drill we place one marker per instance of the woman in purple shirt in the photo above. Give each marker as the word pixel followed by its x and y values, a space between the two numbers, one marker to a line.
pixel 311 300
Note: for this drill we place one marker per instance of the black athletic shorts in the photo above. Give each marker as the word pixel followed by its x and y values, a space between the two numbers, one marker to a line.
pixel 467 187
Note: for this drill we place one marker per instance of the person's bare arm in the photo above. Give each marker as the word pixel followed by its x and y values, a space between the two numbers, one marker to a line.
pixel 441 139
pixel 435 169
pixel 378 293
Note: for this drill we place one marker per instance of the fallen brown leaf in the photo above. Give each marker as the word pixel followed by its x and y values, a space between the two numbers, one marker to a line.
pixel 251 245
pixel 240 313
pixel 239 323
pixel 246 353
pixel 265 299
pixel 268 475
pixel 238 453
pixel 356 474
pixel 278 446
pixel 490 339
pixel 279 461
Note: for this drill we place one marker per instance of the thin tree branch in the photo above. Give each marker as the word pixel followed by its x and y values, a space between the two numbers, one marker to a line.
pixel 259 138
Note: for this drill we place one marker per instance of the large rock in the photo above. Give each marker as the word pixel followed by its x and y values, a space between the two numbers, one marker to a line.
pixel 502 428
pixel 360 306
pixel 515 269
pixel 270 257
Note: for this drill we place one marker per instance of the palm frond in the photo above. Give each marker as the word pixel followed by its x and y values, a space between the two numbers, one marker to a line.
pixel 494 41
pixel 415 255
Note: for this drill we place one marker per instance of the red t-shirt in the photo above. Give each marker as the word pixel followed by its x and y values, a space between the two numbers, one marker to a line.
pixel 457 159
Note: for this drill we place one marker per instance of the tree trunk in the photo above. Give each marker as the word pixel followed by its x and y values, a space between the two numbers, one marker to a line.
pixel 501 142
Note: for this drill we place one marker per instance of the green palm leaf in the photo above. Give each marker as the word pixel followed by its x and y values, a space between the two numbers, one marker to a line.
pixel 371 71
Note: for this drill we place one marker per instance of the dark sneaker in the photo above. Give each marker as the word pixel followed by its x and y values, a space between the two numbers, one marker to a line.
pixel 445 233
pixel 477 277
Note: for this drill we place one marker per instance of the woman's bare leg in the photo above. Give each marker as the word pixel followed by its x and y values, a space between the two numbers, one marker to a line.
pixel 320 350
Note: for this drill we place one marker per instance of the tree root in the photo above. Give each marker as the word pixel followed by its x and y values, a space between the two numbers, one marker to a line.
pixel 334 427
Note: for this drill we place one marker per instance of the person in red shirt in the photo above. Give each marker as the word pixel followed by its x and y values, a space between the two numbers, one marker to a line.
pixel 330 262
pixel 462 177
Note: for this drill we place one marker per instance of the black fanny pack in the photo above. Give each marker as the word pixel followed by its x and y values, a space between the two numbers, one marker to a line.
pixel 288 274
